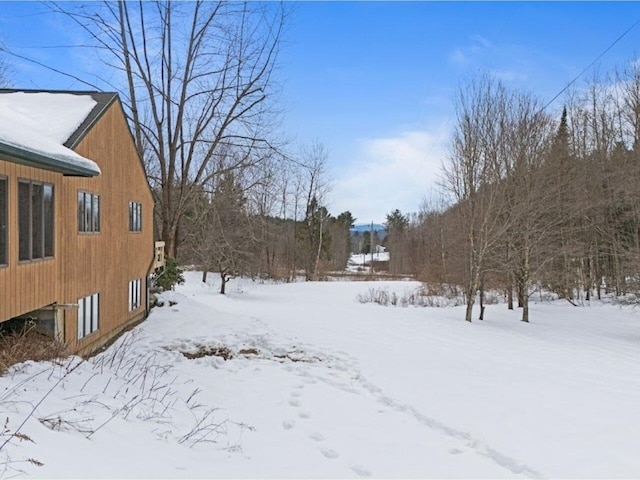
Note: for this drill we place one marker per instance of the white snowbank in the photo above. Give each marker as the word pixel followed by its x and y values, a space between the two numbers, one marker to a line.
pixel 329 387
pixel 42 122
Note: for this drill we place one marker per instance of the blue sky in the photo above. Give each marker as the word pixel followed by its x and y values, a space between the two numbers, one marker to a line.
pixel 375 81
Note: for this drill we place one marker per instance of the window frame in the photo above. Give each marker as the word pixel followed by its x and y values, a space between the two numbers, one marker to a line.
pixel 4 235
pixel 135 294
pixel 47 248
pixel 88 321
pixel 135 216
pixel 88 216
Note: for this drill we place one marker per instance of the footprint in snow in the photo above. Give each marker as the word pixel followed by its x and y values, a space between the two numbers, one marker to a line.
pixel 361 472
pixel 316 436
pixel 455 451
pixel 294 403
pixel 296 394
pixel 304 415
pixel 288 424
pixel 329 454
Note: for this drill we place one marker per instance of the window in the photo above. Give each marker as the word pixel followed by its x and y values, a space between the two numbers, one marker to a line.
pixel 88 315
pixel 3 221
pixel 135 217
pixel 134 294
pixel 35 220
pixel 88 212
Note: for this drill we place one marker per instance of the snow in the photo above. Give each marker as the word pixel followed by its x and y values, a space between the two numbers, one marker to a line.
pixel 41 122
pixel 330 387
pixel 365 259
pixel 361 263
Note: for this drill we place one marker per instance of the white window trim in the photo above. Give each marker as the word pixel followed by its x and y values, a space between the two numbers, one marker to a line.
pixel 88 315
pixel 135 294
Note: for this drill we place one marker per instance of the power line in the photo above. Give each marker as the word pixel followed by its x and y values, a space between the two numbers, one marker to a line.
pixel 591 64
pixel 60 72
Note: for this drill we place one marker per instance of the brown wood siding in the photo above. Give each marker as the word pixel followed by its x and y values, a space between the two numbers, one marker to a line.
pixel 27 286
pixel 106 262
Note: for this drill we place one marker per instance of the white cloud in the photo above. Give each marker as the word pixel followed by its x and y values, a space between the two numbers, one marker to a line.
pixel 480 40
pixel 458 57
pixel 389 173
pixel 465 55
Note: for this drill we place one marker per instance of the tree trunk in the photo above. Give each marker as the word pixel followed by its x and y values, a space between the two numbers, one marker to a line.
pixel 509 279
pixel 204 276
pixel 526 276
pixel 442 255
pixel 519 283
pixel 169 238
pixel 469 311
pixel 471 297
pixel 481 317
pixel 223 285
pixel 317 261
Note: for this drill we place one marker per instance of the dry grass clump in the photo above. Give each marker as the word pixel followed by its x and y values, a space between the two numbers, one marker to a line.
pixel 210 351
pixel 27 343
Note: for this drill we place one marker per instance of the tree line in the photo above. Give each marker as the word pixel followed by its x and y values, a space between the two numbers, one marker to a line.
pixel 534 203
pixel 266 223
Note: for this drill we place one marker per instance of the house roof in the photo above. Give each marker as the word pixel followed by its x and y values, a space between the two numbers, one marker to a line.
pixel 41 128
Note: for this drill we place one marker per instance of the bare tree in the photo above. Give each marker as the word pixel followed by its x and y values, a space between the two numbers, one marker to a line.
pixel 532 217
pixel 225 238
pixel 473 175
pixel 4 70
pixel 315 185
pixel 197 82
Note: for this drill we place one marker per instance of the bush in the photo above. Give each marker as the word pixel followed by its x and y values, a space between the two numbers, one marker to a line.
pixel 420 297
pixel 168 276
pixel 27 344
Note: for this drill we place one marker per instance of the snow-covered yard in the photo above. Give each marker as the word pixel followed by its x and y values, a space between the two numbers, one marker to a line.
pixel 320 385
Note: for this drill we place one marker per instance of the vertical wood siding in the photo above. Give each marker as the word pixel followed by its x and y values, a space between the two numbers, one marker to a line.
pixel 24 285
pixel 106 262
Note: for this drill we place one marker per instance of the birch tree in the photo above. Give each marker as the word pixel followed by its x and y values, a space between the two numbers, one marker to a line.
pixel 315 185
pixel 473 175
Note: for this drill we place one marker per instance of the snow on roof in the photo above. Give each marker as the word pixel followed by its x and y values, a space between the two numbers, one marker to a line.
pixel 41 122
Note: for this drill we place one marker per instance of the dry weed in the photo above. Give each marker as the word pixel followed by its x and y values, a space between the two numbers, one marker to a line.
pixel 25 344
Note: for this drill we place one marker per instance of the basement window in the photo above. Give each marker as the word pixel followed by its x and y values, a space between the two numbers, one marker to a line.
pixel 88 315
pixel 134 294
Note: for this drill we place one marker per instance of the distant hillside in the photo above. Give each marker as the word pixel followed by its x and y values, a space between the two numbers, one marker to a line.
pixel 360 228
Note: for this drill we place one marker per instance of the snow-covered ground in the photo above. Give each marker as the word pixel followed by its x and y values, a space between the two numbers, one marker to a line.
pixel 363 259
pixel 330 387
pixel 360 262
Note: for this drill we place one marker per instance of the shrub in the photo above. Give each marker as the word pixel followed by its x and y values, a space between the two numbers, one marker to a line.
pixel 420 297
pixel 168 276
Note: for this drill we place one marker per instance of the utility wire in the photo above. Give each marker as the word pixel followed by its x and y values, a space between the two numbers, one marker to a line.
pixel 22 57
pixel 591 64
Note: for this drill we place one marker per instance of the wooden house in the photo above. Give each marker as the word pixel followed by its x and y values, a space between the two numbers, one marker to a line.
pixel 76 216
